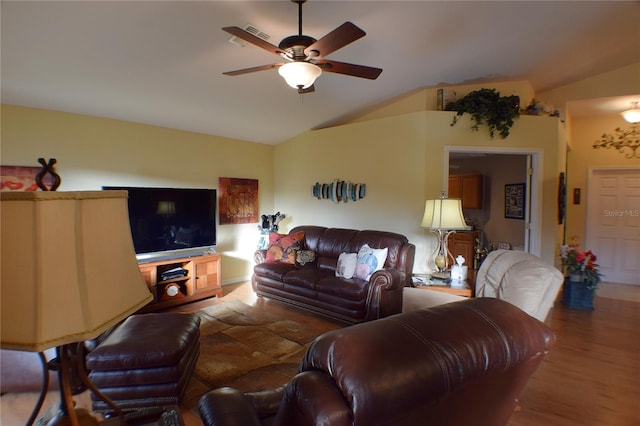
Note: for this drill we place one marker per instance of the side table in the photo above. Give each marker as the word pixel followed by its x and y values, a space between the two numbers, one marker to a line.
pixel 460 288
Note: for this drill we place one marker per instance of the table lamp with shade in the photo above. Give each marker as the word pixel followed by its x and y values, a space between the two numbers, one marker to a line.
pixel 69 273
pixel 442 216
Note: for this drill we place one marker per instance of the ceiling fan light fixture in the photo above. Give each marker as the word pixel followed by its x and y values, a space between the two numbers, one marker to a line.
pixel 632 115
pixel 300 74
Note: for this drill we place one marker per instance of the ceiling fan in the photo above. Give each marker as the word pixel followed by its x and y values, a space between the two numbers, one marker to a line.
pixel 306 56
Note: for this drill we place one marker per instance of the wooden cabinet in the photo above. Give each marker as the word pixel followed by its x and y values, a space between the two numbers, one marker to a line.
pixel 463 243
pixel 182 280
pixel 468 188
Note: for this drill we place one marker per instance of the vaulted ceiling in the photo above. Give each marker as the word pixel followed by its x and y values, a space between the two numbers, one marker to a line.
pixel 161 63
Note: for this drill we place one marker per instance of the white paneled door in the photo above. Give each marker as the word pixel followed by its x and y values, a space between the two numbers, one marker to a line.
pixel 613 223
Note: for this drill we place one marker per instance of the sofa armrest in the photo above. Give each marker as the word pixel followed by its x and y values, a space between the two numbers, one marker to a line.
pixel 387 279
pixel 384 297
pixel 231 407
pixel 259 256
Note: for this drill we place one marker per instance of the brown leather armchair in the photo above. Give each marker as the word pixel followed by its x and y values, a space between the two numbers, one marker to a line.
pixel 463 363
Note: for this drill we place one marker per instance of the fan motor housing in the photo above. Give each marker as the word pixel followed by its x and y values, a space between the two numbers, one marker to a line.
pixel 296 41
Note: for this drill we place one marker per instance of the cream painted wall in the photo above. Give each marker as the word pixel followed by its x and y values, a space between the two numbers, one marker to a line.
pixel 388 155
pixel 92 152
pixel 619 82
pixel 402 160
pixel 583 157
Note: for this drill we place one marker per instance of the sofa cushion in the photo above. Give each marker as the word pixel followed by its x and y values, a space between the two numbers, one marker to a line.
pixel 282 248
pixel 275 271
pixel 306 277
pixel 352 289
pixel 346 267
pixel 369 260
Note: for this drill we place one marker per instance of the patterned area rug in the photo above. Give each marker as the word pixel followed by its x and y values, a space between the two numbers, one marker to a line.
pixel 249 349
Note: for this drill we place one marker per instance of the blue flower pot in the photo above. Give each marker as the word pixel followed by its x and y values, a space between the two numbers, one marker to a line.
pixel 576 295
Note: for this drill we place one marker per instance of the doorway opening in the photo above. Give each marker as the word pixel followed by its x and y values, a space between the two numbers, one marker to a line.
pixel 502 167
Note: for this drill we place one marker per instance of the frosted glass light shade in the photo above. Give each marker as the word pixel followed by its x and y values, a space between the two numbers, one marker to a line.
pixel 69 270
pixel 299 74
pixel 632 115
pixel 443 213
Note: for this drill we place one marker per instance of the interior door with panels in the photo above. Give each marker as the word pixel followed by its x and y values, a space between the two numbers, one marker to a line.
pixel 613 223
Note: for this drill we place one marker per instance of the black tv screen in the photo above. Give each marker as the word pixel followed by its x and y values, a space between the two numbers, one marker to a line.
pixel 171 219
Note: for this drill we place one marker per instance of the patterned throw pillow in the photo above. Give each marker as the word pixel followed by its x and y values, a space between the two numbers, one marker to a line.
pixel 283 248
pixel 346 265
pixel 304 257
pixel 369 261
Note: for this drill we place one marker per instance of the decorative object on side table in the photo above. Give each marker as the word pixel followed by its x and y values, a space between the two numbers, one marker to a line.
pixel 459 271
pixel 581 277
pixel 442 217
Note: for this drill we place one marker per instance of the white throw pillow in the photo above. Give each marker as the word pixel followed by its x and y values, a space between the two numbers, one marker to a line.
pixel 369 261
pixel 346 265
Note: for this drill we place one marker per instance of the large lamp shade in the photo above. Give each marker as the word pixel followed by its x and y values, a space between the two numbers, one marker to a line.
pixel 69 270
pixel 443 213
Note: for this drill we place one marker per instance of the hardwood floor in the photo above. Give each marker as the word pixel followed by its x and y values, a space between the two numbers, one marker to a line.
pixel 591 377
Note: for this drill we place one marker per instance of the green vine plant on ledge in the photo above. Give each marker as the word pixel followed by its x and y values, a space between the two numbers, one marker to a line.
pixel 486 106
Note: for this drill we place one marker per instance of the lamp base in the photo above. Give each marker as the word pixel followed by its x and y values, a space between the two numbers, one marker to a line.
pixel 85 418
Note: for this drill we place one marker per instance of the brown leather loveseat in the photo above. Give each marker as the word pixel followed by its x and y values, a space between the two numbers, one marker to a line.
pixel 315 286
pixel 459 364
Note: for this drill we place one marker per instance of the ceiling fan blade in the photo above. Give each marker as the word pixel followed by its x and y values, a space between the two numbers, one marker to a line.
pixel 257 41
pixel 349 69
pixel 336 39
pixel 252 69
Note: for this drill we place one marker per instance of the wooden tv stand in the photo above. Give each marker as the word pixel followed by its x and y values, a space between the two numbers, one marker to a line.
pixel 202 280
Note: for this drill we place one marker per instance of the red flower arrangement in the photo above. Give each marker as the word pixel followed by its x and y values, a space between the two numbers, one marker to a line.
pixel 575 260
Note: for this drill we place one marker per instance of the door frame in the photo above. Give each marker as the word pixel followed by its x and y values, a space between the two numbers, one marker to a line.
pixel 533 222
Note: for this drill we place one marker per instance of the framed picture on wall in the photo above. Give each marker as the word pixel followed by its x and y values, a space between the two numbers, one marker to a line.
pixel 238 200
pixel 514 201
pixel 21 178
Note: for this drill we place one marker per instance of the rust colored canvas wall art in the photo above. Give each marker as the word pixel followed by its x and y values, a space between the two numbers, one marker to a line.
pixel 238 201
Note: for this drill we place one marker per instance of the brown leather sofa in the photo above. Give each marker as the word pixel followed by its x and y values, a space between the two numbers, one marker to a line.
pixel 316 287
pixel 463 363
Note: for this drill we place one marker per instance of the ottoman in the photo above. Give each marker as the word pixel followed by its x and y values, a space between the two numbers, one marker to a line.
pixel 146 361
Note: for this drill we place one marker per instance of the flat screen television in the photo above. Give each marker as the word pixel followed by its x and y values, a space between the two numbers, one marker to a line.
pixel 170 221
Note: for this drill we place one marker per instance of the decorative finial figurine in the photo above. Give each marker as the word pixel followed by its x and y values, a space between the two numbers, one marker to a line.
pixel 269 224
